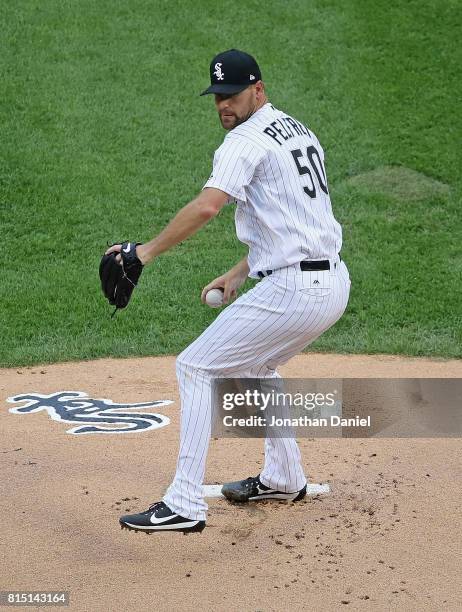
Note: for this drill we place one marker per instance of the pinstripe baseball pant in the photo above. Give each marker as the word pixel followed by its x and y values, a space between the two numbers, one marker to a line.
pixel 262 329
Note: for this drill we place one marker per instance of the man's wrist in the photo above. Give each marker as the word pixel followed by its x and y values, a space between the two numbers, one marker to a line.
pixel 143 254
pixel 245 267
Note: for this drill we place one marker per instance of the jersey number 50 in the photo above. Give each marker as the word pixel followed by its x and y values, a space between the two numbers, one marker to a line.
pixel 316 166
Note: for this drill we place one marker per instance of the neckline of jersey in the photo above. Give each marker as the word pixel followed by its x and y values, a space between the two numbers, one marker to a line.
pixel 264 108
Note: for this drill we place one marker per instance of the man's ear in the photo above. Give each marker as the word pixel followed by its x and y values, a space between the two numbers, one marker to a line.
pixel 260 89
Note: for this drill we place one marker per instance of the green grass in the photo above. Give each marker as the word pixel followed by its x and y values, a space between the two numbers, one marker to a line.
pixel 103 137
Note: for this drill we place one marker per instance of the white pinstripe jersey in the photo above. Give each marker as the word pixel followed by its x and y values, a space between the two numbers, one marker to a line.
pixel 272 166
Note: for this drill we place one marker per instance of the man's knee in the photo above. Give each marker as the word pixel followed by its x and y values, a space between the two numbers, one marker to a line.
pixel 188 362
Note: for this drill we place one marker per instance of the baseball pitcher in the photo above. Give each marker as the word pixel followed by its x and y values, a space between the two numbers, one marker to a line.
pixel 272 167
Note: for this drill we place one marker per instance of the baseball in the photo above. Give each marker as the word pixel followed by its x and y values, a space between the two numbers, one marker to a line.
pixel 214 298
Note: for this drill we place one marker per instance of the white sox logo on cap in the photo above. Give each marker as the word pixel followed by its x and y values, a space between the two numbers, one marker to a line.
pixel 218 72
pixel 232 71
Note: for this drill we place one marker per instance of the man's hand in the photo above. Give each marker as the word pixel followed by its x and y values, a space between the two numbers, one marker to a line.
pixel 119 272
pixel 140 253
pixel 229 282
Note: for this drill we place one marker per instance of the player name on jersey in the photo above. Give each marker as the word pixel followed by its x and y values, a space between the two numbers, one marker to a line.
pixel 286 128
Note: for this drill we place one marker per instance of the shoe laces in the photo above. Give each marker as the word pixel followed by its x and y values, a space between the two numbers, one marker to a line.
pixel 155 506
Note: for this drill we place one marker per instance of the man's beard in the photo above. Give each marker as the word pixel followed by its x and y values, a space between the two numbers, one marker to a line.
pixel 231 122
pixel 237 120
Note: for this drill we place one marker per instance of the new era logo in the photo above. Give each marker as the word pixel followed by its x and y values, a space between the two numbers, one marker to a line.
pixel 252 77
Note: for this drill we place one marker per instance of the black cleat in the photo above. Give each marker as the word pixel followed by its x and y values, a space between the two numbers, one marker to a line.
pixel 252 489
pixel 158 518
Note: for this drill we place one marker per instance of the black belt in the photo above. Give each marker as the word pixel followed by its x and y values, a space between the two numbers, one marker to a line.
pixel 313 266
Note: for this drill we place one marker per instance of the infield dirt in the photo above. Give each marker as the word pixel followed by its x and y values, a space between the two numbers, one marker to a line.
pixel 387 537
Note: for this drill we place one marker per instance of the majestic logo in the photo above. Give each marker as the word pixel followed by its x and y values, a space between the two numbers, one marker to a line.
pixel 93 415
pixel 316 282
pixel 218 72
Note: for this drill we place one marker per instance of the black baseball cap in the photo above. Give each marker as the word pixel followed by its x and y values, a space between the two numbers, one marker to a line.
pixel 231 72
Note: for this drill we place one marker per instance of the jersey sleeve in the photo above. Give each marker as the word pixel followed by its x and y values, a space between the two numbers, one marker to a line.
pixel 234 166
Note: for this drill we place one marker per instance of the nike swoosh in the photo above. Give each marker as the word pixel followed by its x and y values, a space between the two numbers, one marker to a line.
pixel 158 521
pixel 127 248
pixel 265 490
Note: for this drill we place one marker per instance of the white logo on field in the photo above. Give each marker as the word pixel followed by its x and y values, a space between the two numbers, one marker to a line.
pixel 92 415
pixel 252 77
pixel 218 72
